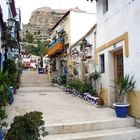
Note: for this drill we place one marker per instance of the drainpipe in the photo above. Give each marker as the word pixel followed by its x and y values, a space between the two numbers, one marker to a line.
pixel 95 48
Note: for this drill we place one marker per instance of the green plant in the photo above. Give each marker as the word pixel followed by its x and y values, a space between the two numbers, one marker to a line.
pixel 11 69
pixel 8 42
pixel 125 86
pixel 29 37
pixel 77 85
pixel 9 66
pixel 3 96
pixel 70 84
pixel 27 127
pixel 83 89
pixel 62 80
pixel 95 75
pixel 89 89
pixel 54 80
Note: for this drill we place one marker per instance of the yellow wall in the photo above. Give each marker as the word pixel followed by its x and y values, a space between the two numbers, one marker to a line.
pixel 134 101
pixel 104 95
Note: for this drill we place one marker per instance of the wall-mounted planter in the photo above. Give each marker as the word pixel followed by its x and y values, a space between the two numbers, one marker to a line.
pixel 88 57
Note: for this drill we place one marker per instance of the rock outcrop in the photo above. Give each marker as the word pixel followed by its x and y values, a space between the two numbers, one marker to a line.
pixel 41 21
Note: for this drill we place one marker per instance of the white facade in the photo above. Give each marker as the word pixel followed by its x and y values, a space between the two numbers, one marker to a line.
pixel 80 23
pixel 89 64
pixel 76 24
pixel 119 24
pixel 5 10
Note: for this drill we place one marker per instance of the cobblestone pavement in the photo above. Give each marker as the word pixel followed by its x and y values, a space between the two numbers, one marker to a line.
pixel 37 94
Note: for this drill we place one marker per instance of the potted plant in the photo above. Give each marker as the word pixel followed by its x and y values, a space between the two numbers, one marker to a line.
pixel 88 45
pixel 94 76
pixel 124 86
pixel 88 57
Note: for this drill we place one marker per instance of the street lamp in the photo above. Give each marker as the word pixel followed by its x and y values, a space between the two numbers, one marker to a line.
pixel 11 23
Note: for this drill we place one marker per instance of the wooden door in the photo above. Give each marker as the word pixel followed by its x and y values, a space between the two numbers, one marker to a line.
pixel 119 68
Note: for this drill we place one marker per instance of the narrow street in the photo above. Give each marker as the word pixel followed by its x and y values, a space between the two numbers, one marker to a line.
pixel 64 113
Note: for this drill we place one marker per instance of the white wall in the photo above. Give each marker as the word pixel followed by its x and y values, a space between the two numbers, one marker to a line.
pixel 4 6
pixel 122 16
pixel 64 24
pixel 80 23
pixel 91 51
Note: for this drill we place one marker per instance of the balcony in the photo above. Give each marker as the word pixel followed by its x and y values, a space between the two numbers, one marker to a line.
pixel 56 47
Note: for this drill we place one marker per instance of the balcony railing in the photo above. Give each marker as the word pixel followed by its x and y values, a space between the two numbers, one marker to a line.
pixel 56 47
pixel 55 42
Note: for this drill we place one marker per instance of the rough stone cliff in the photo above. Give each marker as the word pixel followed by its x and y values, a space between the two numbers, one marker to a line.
pixel 41 21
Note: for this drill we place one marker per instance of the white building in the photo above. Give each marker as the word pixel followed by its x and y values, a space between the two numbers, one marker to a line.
pixel 11 25
pixel 118 51
pixel 71 27
pixel 83 54
pixel 1 30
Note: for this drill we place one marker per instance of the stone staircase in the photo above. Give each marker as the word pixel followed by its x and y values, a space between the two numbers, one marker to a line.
pixel 68 117
pixel 107 129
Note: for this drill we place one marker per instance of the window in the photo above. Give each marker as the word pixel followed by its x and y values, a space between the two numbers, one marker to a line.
pixel 105 6
pixel 102 63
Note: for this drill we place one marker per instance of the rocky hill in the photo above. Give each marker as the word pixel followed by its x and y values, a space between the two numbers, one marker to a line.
pixel 41 21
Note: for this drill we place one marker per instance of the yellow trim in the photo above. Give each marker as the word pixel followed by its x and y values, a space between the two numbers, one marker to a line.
pixel 114 41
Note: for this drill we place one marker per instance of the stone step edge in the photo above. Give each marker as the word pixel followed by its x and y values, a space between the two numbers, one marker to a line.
pixel 90 125
pixel 94 135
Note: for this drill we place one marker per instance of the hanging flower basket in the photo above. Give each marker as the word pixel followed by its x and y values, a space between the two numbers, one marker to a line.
pixel 84 59
pixel 88 46
pixel 88 57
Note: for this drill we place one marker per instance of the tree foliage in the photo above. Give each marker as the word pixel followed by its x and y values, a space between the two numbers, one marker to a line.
pixel 40 50
pixel 29 37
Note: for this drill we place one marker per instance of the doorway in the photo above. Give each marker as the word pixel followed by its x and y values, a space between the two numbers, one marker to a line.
pixel 118 68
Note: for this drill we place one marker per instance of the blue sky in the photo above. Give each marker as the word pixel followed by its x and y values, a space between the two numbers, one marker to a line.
pixel 27 6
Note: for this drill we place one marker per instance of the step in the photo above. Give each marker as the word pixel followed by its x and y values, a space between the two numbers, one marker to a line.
pixel 86 126
pixel 37 89
pixel 128 133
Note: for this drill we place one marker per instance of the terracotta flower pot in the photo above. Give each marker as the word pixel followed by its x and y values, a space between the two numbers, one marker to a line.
pixel 100 102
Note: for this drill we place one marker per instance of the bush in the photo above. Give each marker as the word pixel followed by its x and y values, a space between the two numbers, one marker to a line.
pixel 9 66
pixel 54 80
pixel 3 94
pixel 27 127
pixel 62 80
pixel 13 73
pixel 90 90
pixel 81 87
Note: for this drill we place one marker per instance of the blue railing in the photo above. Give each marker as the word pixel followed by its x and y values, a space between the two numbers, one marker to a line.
pixel 55 42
